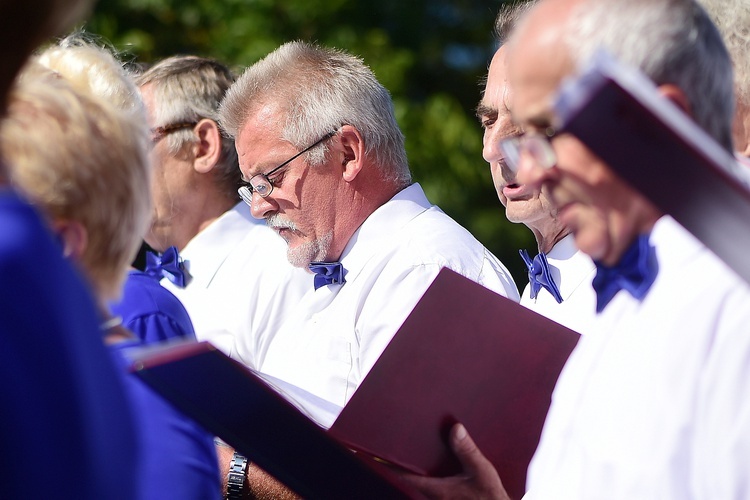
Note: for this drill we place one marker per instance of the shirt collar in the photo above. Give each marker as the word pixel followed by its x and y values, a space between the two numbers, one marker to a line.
pixel 207 251
pixel 579 268
pixel 381 225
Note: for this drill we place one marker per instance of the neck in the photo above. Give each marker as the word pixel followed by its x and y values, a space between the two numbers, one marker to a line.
pixel 190 225
pixel 643 223
pixel 546 241
pixel 357 204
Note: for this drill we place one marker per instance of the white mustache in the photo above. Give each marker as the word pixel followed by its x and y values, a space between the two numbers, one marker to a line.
pixel 276 221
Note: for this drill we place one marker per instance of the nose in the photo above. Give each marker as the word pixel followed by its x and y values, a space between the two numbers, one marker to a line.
pixel 493 154
pixel 491 145
pixel 531 173
pixel 261 207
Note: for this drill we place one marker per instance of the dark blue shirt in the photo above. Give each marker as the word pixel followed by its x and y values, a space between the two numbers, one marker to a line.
pixel 66 430
pixel 151 311
pixel 179 457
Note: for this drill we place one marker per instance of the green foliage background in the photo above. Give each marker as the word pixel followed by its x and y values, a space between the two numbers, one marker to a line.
pixel 431 55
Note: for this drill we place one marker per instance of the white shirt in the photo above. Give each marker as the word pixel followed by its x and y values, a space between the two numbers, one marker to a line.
pixel 654 403
pixel 241 286
pixel 338 331
pixel 572 271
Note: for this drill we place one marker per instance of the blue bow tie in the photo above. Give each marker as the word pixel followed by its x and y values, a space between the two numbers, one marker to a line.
pixel 539 275
pixel 169 265
pixel 327 273
pixel 635 273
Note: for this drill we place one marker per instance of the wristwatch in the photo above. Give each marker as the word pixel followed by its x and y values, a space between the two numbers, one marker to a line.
pixel 236 476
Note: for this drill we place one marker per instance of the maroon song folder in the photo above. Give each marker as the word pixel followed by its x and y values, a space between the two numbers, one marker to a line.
pixel 660 151
pixel 465 354
pixel 235 404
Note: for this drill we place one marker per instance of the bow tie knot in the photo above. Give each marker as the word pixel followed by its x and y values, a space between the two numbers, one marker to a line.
pixel 635 273
pixel 540 276
pixel 167 265
pixel 327 273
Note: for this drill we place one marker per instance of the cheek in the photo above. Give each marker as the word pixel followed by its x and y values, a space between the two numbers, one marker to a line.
pixel 497 180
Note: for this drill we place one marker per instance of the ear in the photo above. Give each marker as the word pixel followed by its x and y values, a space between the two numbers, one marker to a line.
pixel 208 148
pixel 73 236
pixel 351 152
pixel 675 94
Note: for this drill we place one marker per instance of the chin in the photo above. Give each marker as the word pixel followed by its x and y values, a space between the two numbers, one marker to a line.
pixel 592 244
pixel 521 212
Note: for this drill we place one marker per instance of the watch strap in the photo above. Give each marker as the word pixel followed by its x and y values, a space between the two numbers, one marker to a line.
pixel 236 477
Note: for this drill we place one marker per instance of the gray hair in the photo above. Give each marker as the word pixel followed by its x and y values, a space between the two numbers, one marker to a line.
pixel 188 89
pixel 732 18
pixel 318 90
pixel 507 19
pixel 671 41
pixel 81 156
pixel 94 68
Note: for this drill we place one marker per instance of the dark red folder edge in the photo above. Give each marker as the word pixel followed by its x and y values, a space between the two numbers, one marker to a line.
pixel 232 403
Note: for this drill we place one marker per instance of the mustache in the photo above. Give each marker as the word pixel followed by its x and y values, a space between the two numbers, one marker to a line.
pixel 276 221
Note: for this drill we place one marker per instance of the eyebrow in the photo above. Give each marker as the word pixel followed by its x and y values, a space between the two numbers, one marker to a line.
pixel 485 110
pixel 266 167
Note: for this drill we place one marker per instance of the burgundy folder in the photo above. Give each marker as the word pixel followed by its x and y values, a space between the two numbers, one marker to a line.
pixel 465 354
pixel 235 404
pixel 660 151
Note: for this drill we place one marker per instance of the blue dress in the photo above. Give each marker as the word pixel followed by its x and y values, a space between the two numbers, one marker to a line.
pixel 66 429
pixel 179 457
pixel 151 311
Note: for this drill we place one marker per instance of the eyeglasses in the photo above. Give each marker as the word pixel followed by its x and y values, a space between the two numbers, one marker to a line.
pixel 160 133
pixel 534 144
pixel 261 184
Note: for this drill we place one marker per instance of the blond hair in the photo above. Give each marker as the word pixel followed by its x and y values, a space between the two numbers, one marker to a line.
pixel 81 158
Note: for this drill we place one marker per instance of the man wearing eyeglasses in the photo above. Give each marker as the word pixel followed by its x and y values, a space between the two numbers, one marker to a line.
pixel 651 404
pixel 560 275
pixel 236 284
pixel 324 164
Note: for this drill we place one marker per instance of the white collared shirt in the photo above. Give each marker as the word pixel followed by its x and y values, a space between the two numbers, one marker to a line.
pixel 653 404
pixel 572 272
pixel 338 331
pixel 241 285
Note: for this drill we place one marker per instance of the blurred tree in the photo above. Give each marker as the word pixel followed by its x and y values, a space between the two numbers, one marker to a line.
pixel 431 55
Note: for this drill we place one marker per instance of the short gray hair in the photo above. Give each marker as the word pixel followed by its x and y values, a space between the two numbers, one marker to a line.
pixel 507 18
pixel 671 41
pixel 188 89
pixel 318 90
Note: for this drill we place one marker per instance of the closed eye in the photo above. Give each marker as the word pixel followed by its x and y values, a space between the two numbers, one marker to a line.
pixel 487 121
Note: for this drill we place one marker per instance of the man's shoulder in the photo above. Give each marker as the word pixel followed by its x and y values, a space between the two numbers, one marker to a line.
pixel 143 296
pixel 433 233
pixel 434 239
